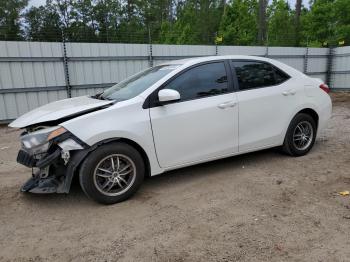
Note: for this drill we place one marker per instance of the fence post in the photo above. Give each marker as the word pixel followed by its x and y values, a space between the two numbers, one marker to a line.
pixel 329 66
pixel 65 65
pixel 267 46
pixel 150 55
pixel 216 44
pixel 306 58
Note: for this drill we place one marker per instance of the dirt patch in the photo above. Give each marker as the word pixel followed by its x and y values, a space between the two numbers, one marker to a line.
pixel 262 206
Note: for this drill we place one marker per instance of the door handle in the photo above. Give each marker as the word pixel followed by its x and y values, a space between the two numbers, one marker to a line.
pixel 292 92
pixel 227 104
pixel 289 92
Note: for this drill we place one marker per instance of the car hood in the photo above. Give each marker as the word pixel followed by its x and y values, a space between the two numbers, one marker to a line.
pixel 60 109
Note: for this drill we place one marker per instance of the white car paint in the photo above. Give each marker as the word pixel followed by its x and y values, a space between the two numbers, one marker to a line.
pixel 57 110
pixel 195 131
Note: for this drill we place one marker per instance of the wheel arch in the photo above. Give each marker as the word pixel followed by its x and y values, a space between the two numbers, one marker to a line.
pixel 130 143
pixel 306 110
pixel 311 112
pixel 140 150
pixel 78 158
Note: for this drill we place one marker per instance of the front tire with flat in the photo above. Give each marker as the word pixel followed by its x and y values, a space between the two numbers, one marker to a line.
pixel 112 173
pixel 301 135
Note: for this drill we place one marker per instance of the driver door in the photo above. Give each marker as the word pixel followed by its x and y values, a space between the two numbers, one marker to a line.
pixel 203 124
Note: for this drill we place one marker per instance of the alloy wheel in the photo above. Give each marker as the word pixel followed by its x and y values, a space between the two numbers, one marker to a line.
pixel 303 135
pixel 114 174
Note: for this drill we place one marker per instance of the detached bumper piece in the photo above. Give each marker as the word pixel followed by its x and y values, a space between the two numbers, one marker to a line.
pixel 25 159
pixel 43 182
pixel 52 174
pixel 42 185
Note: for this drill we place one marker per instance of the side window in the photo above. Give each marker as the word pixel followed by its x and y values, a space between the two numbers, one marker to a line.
pixel 252 74
pixel 201 81
pixel 280 76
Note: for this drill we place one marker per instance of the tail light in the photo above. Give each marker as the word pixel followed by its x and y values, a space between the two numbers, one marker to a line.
pixel 325 88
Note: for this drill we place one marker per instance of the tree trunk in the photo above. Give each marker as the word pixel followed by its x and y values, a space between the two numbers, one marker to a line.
pixel 262 22
pixel 297 22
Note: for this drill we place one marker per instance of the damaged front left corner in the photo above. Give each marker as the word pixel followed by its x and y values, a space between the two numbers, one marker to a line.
pixel 50 160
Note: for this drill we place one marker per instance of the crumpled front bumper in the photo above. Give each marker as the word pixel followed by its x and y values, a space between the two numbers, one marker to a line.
pixel 53 171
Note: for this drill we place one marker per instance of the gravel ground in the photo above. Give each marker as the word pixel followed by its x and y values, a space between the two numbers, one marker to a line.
pixel 262 206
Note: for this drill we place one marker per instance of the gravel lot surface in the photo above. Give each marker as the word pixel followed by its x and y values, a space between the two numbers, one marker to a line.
pixel 263 206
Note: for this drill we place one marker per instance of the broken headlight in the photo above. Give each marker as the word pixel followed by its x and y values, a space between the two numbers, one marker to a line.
pixel 38 141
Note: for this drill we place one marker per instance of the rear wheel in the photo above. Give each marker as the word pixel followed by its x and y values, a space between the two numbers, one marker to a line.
pixel 301 135
pixel 112 173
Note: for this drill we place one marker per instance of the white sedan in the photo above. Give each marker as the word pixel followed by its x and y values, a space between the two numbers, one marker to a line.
pixel 169 116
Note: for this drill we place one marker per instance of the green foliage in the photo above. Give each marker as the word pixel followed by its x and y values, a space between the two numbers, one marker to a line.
pixel 239 23
pixel 42 24
pixel 319 23
pixel 196 23
pixel 342 21
pixel 280 24
pixel 324 22
pixel 10 26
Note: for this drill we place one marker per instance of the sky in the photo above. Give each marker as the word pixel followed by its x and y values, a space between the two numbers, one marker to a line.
pixel 42 2
pixel 36 2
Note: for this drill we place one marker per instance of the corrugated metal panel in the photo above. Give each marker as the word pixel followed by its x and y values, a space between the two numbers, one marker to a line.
pixel 86 91
pixel 13 105
pixel 29 74
pixel 242 50
pixel 95 72
pixel 341 68
pixel 341 81
pixel 183 50
pixel 287 50
pixel 93 66
pixel 316 63
pixel 296 62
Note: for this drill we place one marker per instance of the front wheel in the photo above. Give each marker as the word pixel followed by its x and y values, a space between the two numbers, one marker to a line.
pixel 301 135
pixel 112 173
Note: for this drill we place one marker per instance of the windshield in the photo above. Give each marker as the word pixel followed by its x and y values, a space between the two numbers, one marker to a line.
pixel 136 84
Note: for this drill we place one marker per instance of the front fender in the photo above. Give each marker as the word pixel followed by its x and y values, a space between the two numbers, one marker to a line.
pixel 126 120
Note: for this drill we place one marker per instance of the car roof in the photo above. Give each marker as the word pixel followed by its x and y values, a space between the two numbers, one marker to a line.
pixel 199 59
pixel 195 60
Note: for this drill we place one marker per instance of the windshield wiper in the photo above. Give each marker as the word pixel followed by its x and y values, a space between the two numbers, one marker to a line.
pixel 100 97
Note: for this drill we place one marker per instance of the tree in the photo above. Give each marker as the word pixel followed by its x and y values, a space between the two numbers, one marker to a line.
pixel 107 14
pixel 84 26
pixel 42 24
pixel 262 21
pixel 320 23
pixel 196 22
pixel 10 24
pixel 280 25
pixel 239 23
pixel 342 23
pixel 297 21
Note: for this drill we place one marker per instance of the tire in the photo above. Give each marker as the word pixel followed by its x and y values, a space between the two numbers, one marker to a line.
pixel 103 170
pixel 292 144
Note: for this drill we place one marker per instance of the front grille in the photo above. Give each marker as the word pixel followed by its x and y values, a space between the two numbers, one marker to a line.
pixel 25 159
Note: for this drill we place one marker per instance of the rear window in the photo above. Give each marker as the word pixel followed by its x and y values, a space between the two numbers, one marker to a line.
pixel 254 74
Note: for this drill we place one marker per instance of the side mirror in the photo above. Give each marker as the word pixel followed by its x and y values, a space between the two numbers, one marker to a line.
pixel 168 95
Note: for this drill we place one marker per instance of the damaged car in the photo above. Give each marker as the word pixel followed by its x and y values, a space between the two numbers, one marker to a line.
pixel 167 117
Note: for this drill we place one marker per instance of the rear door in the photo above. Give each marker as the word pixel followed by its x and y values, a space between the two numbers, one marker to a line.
pixel 267 98
pixel 204 123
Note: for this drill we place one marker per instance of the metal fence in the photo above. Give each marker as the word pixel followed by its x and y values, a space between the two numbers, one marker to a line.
pixel 36 73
